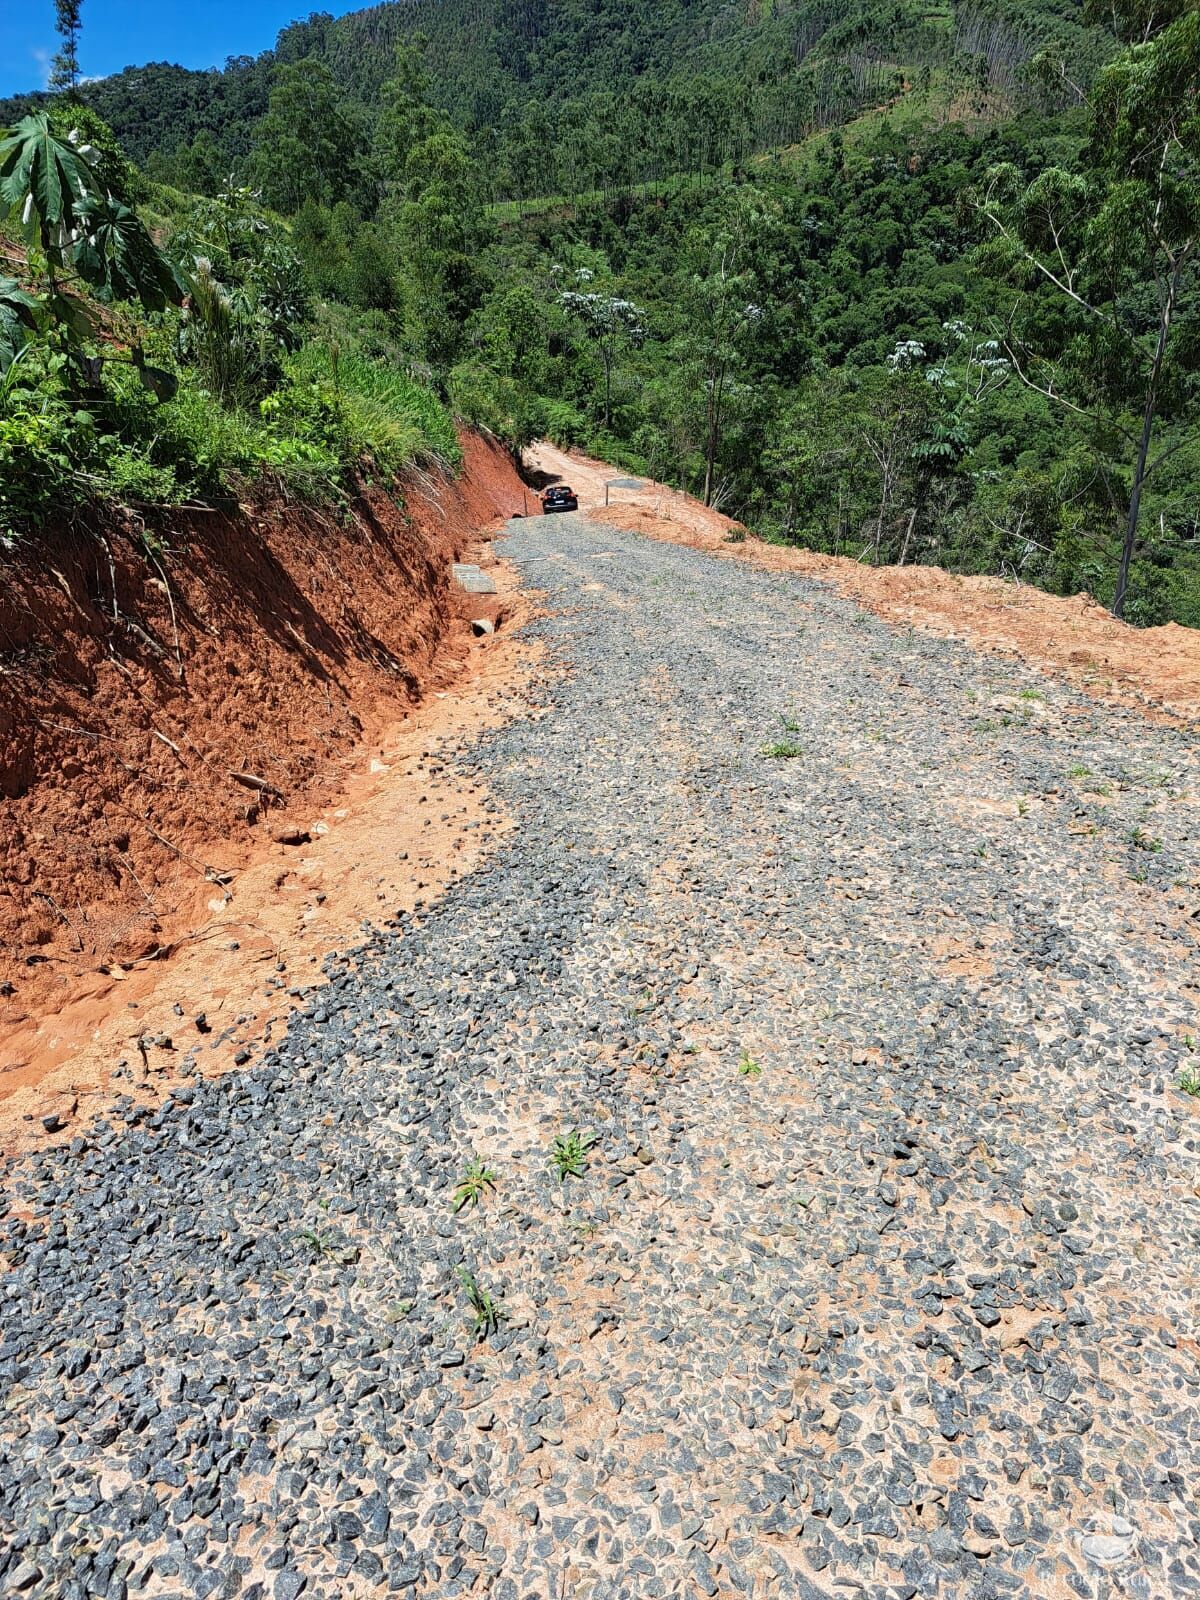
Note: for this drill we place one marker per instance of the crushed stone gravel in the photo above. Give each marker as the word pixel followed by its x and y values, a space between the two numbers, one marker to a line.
pixel 869 968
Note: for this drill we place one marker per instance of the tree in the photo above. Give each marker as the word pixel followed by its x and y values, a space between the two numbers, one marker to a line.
pixel 431 204
pixel 722 309
pixel 889 428
pixel 306 148
pixel 64 69
pixel 611 322
pixel 406 117
pixel 1117 245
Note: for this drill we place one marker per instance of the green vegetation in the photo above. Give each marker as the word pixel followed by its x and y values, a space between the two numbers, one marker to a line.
pixel 1189 1081
pixel 172 351
pixel 487 1309
pixel 568 1157
pixel 1141 840
pixel 783 750
pixel 474 1183
pixel 901 283
pixel 748 1067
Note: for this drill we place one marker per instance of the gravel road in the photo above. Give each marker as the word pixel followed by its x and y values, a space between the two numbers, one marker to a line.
pixel 870 967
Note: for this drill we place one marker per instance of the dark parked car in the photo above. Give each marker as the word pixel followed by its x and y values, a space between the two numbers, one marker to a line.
pixel 559 498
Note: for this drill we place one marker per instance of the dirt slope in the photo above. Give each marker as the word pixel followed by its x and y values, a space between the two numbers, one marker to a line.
pixel 155 741
pixel 1155 669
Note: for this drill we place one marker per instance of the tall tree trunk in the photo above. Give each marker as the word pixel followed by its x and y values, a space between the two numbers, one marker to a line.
pixel 713 434
pixel 912 522
pixel 1165 318
pixel 885 500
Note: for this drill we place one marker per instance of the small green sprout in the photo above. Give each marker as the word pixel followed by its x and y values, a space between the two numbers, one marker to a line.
pixel 569 1155
pixel 475 1181
pixel 488 1311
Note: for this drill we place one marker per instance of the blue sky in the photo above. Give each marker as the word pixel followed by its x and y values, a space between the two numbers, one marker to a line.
pixel 122 33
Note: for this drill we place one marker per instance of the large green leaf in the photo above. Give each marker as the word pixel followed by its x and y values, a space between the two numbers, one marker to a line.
pixel 117 257
pixel 45 179
pixel 18 319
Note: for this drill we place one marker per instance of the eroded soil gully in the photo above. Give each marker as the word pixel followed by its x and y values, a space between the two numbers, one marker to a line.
pixel 404 826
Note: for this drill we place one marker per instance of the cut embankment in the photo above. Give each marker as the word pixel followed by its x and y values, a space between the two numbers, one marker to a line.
pixel 166 721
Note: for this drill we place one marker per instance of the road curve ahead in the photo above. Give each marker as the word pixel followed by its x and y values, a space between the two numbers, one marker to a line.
pixel 863 967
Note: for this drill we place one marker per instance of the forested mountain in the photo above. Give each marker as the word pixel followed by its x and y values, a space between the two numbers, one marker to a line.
pixel 905 281
pixel 570 94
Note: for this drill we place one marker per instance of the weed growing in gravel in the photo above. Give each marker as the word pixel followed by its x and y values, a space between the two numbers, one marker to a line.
pixel 1189 1081
pixel 1189 1041
pixel 789 725
pixel 1141 840
pixel 748 1067
pixel 486 1308
pixel 1031 694
pixel 316 1243
pixel 1079 771
pixel 569 1155
pixel 475 1181
pixel 783 750
pixel 1022 808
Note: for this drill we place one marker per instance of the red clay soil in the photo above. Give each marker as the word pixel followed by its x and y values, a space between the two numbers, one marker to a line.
pixel 1155 669
pixel 155 740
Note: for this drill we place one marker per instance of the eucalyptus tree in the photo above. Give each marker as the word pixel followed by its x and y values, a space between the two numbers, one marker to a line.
pixel 306 147
pixel 610 322
pixel 1118 244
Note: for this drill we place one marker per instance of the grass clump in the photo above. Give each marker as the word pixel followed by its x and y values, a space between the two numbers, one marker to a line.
pixel 487 1310
pixel 783 750
pixel 1141 840
pixel 476 1179
pixel 568 1156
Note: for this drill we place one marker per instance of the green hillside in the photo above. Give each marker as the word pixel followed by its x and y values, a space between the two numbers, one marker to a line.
pixel 905 282
pixel 599 93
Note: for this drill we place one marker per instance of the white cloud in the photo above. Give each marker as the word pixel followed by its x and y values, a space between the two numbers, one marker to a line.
pixel 44 58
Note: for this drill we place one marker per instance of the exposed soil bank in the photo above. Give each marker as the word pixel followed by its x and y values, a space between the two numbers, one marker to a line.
pixel 1154 669
pixel 287 639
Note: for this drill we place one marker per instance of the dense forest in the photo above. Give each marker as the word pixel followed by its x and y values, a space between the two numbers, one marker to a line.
pixel 909 283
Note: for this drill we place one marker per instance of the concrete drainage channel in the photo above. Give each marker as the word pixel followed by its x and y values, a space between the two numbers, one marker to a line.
pixel 473 579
